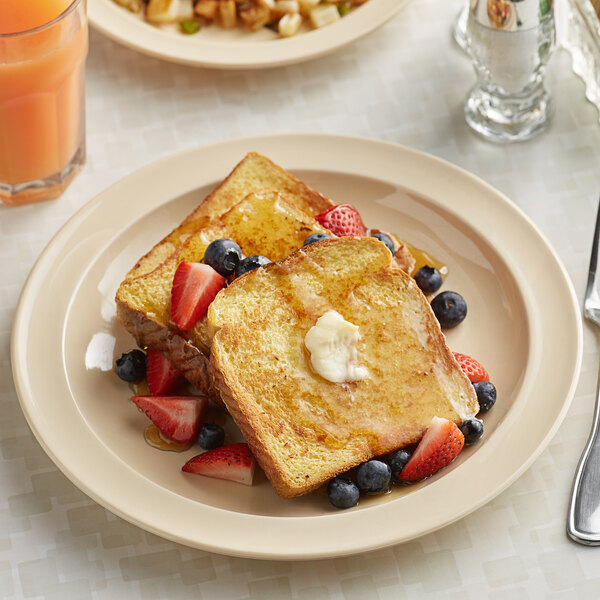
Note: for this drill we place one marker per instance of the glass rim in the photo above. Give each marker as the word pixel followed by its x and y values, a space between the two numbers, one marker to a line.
pixel 43 26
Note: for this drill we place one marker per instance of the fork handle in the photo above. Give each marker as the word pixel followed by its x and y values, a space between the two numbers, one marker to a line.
pixel 583 524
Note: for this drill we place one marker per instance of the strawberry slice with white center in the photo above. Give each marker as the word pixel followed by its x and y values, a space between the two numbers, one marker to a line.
pixel 163 378
pixel 471 368
pixel 233 462
pixel 195 286
pixel 177 417
pixel 342 219
pixel 440 445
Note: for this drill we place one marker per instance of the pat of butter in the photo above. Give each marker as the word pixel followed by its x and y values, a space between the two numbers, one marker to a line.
pixel 332 346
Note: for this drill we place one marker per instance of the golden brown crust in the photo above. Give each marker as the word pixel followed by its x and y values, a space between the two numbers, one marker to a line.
pixel 220 200
pixel 237 409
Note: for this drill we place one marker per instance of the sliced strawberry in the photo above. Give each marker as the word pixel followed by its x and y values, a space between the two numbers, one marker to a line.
pixel 440 445
pixel 177 417
pixel 342 219
pixel 471 368
pixel 195 286
pixel 163 377
pixel 234 462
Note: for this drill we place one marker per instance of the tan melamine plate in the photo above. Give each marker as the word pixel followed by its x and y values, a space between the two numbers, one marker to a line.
pixel 236 49
pixel 66 337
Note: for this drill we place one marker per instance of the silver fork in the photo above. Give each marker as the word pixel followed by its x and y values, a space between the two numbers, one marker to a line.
pixel 583 524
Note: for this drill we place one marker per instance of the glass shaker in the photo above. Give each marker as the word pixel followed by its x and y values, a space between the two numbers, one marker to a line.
pixel 510 43
pixel 459 31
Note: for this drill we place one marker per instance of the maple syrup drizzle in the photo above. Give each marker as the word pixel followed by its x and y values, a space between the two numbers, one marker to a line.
pixel 140 388
pixel 423 258
pixel 153 436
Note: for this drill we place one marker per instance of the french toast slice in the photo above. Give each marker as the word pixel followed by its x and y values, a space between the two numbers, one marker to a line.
pixel 264 222
pixel 254 172
pixel 302 428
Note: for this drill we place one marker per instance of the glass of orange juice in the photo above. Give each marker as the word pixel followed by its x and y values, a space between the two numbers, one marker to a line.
pixel 43 47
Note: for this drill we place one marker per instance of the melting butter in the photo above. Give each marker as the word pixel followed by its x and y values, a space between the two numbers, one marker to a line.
pixel 332 344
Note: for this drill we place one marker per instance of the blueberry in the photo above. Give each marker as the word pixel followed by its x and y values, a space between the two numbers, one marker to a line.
pixel 472 429
pixel 373 477
pixel 250 263
pixel 450 309
pixel 382 237
pixel 316 237
pixel 429 279
pixel 486 395
pixel 342 492
pixel 397 461
pixel 131 367
pixel 211 436
pixel 223 256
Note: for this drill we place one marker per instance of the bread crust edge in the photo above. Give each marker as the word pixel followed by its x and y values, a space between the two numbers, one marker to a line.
pixel 252 435
pixel 185 357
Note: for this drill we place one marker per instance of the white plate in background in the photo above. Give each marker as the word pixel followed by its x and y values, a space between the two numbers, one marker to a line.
pixel 216 47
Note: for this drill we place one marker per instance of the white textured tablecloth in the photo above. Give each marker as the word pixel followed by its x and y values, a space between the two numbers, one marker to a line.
pixel 405 83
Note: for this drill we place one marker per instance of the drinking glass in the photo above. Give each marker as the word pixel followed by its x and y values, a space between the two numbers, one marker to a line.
pixel 42 106
pixel 510 43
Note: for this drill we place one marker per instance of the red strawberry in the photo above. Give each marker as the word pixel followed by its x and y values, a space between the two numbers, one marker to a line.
pixel 195 286
pixel 163 377
pixel 177 417
pixel 234 462
pixel 440 445
pixel 471 368
pixel 342 219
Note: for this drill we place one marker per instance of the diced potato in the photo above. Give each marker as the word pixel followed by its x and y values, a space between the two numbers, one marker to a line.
pixel 307 5
pixel 227 14
pixel 286 6
pixel 206 9
pixel 134 6
pixel 289 24
pixel 162 11
pixel 255 17
pixel 323 15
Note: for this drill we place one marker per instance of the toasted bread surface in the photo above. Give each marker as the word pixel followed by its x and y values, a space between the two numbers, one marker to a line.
pixel 302 428
pixel 252 173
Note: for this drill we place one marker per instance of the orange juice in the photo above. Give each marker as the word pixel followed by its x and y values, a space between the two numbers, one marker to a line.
pixel 43 46
pixel 22 15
